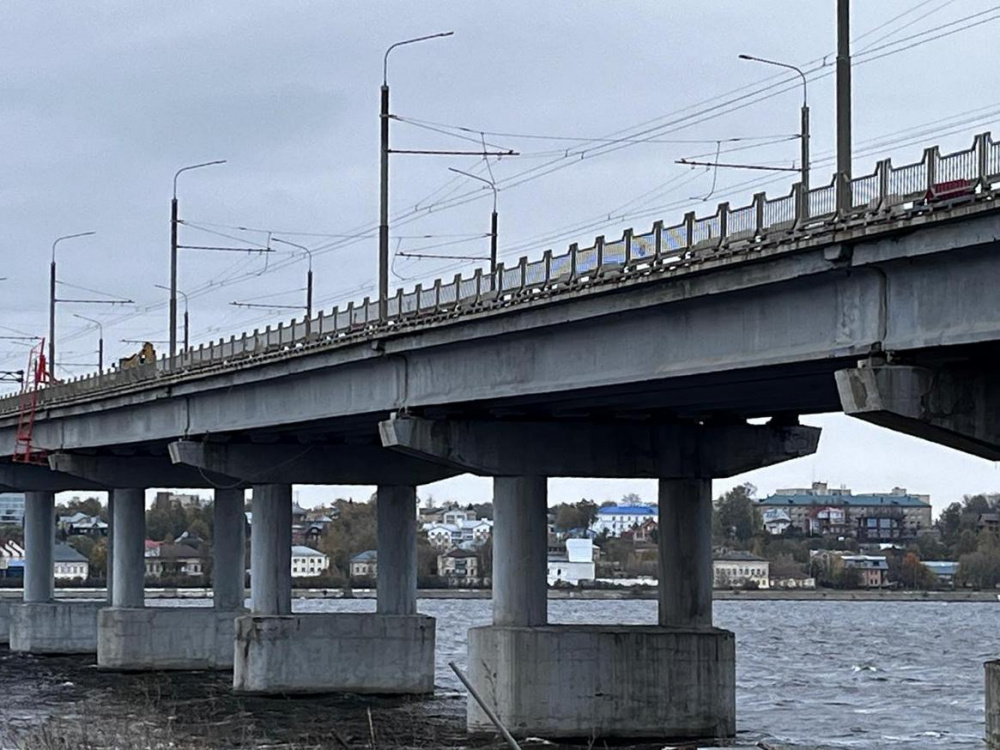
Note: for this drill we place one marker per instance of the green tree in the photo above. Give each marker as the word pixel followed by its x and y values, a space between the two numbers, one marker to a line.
pixel 736 518
pixel 913 574
pixel 575 516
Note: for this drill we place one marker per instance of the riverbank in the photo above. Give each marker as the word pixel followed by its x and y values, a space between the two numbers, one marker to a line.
pixel 616 594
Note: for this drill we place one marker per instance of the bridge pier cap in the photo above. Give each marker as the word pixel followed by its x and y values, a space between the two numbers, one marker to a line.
pixel 951 406
pixel 597 449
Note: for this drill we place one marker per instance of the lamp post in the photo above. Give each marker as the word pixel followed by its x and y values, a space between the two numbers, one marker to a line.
pixel 52 301
pixel 844 197
pixel 383 227
pixel 173 251
pixel 100 339
pixel 493 221
pixel 186 321
pixel 309 278
pixel 804 137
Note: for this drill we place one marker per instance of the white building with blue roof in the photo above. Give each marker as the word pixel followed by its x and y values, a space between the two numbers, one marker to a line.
pixel 614 519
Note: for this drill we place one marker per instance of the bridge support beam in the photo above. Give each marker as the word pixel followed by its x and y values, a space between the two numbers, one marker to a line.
pixel 949 406
pixel 674 680
pixel 278 652
pixel 41 625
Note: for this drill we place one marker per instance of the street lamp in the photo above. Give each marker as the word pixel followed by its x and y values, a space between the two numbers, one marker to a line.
pixel 383 227
pixel 100 339
pixel 493 222
pixel 52 301
pixel 167 289
pixel 173 252
pixel 804 137
pixel 309 278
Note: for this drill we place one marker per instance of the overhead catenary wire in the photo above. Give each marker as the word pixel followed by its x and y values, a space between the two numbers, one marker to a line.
pixel 875 53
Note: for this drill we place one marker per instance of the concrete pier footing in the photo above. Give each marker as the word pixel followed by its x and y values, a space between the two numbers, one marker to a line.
pixel 54 627
pixel 993 705
pixel 165 638
pixel 604 681
pixel 332 653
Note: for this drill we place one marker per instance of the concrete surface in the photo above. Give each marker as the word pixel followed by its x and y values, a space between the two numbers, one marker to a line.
pixel 271 550
pixel 760 334
pixel 4 621
pixel 129 552
pixel 993 705
pixel 54 627
pixel 520 539
pixel 334 653
pixel 39 546
pixel 685 553
pixel 396 540
pixel 601 681
pixel 162 638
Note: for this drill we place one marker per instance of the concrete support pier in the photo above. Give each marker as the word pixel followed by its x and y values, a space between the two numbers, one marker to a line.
pixel 229 551
pixel 685 553
pixel 278 652
pixel 672 681
pixel 520 551
pixel 133 637
pixel 993 705
pixel 40 625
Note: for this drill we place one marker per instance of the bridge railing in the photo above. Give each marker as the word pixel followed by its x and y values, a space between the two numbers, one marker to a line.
pixel 873 197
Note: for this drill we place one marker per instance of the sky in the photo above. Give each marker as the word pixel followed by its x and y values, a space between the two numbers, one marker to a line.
pixel 101 103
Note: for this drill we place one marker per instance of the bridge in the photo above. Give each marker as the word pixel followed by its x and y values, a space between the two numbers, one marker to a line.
pixel 645 356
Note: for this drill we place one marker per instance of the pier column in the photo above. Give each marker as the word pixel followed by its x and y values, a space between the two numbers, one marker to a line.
pixel 129 565
pixel 39 541
pixel 109 549
pixel 271 550
pixel 397 550
pixel 520 543
pixel 685 553
pixel 228 550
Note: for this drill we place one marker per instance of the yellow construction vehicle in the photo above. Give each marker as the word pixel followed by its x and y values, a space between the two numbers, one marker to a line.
pixel 145 356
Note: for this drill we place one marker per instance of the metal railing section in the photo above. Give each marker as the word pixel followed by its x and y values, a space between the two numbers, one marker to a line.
pixel 876 196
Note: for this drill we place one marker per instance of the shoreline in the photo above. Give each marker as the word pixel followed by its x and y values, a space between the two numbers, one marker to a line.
pixel 832 595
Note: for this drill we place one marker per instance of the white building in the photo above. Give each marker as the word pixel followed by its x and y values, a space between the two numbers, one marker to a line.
pixel 308 562
pixel 465 533
pixel 776 520
pixel 69 565
pixel 576 565
pixel 614 519
pixel 736 569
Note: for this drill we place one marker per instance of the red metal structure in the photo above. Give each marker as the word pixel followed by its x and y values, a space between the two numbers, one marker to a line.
pixel 35 375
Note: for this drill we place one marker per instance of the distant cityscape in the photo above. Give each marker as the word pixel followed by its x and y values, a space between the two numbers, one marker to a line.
pixel 796 538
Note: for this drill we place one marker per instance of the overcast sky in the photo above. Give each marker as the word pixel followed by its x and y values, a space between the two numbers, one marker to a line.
pixel 101 102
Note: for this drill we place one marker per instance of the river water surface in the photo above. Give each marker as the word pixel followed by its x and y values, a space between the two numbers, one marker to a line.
pixel 810 674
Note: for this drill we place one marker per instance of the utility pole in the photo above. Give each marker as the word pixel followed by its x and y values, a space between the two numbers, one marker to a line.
pixel 100 339
pixel 844 105
pixel 804 131
pixel 52 301
pixel 174 221
pixel 493 220
pixel 383 224
pixel 309 279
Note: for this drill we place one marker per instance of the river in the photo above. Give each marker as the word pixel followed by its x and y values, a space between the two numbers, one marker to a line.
pixel 810 674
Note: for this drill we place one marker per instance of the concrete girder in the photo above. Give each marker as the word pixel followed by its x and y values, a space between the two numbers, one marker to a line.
pixel 588 449
pixel 309 464
pixel 31 477
pixel 117 472
pixel 958 408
